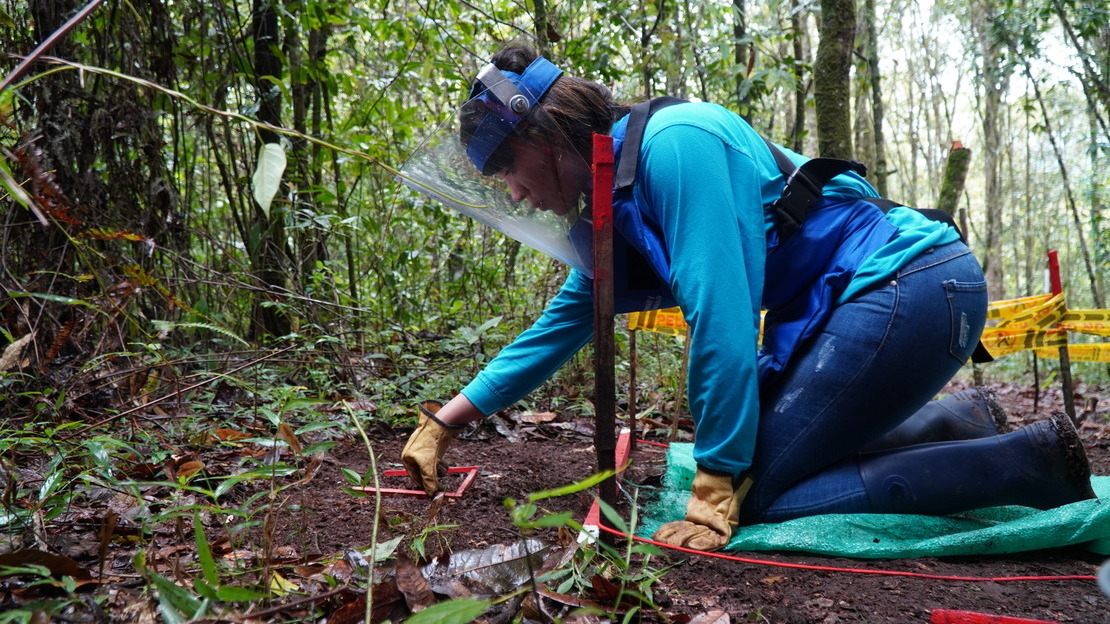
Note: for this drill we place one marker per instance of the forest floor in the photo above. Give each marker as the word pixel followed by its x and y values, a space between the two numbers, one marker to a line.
pixel 309 537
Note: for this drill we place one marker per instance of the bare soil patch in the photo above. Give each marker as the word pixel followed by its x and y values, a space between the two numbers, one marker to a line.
pixel 516 459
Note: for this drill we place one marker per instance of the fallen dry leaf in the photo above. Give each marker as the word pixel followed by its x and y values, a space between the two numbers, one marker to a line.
pixel 188 469
pixel 230 435
pixel 716 616
pixel 281 585
pixel 58 565
pixel 10 357
pixel 285 432
pixel 536 418
pixel 418 594
pixel 499 569
pixel 571 601
pixel 389 604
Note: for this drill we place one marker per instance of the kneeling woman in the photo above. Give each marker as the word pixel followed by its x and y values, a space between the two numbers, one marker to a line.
pixel 871 309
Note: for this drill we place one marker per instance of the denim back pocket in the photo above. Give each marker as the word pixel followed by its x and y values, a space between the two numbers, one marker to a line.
pixel 967 309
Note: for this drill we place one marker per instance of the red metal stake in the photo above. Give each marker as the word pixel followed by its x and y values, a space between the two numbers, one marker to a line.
pixel 947 616
pixel 1054 281
pixel 604 344
pixel 1057 286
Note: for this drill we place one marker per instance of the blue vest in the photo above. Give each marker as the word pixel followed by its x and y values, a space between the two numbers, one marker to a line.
pixel 804 274
pixel 641 266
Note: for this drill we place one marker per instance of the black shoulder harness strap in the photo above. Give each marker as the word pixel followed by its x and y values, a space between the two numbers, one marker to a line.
pixel 802 191
pixel 804 186
pixel 634 135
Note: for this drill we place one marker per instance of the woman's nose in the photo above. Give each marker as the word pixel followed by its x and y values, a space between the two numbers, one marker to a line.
pixel 516 190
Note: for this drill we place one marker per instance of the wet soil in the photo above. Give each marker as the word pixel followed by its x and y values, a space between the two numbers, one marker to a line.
pixel 516 458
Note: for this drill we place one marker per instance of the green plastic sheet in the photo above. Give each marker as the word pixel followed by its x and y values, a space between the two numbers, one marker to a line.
pixel 990 531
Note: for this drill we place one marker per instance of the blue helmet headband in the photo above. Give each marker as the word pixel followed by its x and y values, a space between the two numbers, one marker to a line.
pixel 507 97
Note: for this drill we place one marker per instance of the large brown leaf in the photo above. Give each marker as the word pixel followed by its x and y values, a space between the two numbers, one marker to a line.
pixel 417 591
pixel 58 565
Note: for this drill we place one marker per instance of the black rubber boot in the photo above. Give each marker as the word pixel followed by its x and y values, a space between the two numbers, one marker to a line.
pixel 1042 466
pixel 964 415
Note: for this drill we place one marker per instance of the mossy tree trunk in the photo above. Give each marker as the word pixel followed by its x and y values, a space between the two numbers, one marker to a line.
pixel 955 174
pixel 878 167
pixel 832 86
pixel 799 41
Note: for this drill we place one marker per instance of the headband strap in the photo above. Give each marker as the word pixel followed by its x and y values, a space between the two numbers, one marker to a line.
pixel 508 98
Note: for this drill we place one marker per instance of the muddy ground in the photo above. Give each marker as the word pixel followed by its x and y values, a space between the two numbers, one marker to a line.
pixel 517 457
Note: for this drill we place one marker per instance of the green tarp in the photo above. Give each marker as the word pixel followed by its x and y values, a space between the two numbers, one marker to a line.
pixel 990 531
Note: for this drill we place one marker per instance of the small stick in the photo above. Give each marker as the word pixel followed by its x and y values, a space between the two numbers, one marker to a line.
pixel 47 43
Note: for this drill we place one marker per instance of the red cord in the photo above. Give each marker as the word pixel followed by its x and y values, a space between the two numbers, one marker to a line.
pixel 804 566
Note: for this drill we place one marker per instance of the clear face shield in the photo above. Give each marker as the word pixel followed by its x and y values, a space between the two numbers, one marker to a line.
pixel 486 164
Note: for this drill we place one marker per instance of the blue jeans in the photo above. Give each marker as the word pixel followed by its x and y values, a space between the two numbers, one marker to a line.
pixel 881 356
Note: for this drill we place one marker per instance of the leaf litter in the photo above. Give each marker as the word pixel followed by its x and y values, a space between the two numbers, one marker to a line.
pixel 291 536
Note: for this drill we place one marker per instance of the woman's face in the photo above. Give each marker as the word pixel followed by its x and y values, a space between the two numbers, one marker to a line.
pixel 551 178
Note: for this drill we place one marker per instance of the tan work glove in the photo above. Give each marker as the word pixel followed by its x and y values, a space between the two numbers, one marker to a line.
pixel 711 514
pixel 423 454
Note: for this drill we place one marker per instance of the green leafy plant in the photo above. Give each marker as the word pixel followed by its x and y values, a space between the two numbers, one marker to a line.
pixel 459 611
pixel 49 604
pixel 630 565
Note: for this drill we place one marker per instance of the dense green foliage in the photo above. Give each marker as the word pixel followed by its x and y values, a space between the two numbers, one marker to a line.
pixel 139 139
pixel 160 313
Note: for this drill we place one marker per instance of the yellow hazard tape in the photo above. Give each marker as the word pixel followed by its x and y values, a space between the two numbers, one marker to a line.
pixel 1004 309
pixel 1095 329
pixel 1087 316
pixel 1096 322
pixel 668 321
pixel 1045 314
pixel 1079 352
pixel 1039 323
pixel 1004 341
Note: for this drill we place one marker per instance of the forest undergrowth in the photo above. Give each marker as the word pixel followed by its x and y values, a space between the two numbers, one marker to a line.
pixel 136 492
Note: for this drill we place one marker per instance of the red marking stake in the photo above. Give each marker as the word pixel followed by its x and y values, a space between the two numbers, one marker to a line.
pixel 623 451
pixel 946 616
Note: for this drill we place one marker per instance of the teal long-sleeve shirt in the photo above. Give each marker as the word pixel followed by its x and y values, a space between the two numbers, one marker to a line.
pixel 705 177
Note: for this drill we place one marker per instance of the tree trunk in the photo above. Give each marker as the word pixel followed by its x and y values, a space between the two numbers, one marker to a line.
pixel 305 172
pixel 1069 195
pixel 742 55
pixel 647 32
pixel 993 84
pixel 832 87
pixel 268 256
pixel 878 167
pixel 1095 66
pixel 955 174
pixel 695 51
pixel 543 28
pixel 801 89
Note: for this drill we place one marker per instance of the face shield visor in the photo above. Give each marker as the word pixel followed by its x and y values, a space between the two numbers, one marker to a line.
pixel 491 164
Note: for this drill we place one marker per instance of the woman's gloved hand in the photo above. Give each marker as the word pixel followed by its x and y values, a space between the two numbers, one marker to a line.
pixel 423 454
pixel 711 514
